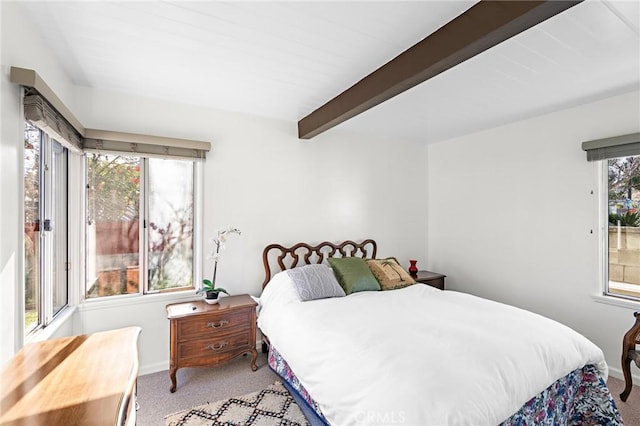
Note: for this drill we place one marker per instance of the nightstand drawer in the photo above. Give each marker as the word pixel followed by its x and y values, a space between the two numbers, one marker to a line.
pixel 214 346
pixel 222 322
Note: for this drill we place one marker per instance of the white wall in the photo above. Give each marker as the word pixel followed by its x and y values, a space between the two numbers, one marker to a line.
pixel 23 48
pixel 275 188
pixel 510 215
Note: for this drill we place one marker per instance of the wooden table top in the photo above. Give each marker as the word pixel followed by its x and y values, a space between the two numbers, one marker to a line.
pixel 177 310
pixel 75 380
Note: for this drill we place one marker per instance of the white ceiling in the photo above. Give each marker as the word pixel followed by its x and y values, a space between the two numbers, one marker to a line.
pixel 285 59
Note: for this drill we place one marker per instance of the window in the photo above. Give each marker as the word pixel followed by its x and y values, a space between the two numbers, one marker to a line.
pixel 619 157
pixel 623 236
pixel 139 225
pixel 139 206
pixel 45 228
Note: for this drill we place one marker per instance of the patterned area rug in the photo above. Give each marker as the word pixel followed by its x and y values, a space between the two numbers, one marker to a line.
pixel 270 406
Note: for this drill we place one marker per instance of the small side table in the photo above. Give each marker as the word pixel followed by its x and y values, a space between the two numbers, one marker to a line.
pixel 433 279
pixel 203 335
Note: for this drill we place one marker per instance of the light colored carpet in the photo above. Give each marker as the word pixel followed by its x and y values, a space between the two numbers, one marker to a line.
pixel 272 405
pixel 629 410
pixel 197 386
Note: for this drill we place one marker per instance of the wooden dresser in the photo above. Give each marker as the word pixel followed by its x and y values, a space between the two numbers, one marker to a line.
pixel 77 380
pixel 203 335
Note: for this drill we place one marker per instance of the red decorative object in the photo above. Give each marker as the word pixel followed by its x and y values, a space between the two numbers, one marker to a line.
pixel 413 269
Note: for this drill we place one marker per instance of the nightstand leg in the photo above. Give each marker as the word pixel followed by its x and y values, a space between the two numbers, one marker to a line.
pixel 254 358
pixel 172 376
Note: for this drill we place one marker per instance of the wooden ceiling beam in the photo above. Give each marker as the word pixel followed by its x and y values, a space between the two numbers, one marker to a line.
pixel 481 27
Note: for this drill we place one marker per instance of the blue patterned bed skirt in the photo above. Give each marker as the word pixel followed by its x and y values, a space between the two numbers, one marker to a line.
pixel 280 366
pixel 580 398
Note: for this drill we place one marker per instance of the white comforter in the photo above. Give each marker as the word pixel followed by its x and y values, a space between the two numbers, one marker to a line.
pixel 419 356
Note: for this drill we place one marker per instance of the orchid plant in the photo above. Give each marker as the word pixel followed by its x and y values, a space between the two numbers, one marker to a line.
pixel 218 244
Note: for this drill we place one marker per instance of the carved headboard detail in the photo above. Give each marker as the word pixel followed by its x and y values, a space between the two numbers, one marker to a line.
pixel 305 254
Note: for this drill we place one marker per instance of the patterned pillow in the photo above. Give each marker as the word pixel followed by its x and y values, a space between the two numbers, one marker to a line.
pixel 389 273
pixel 353 274
pixel 315 282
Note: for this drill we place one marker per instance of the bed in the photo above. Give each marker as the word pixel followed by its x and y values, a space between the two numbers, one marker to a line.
pixel 417 355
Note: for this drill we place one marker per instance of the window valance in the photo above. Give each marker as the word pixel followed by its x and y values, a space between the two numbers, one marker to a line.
pixel 617 146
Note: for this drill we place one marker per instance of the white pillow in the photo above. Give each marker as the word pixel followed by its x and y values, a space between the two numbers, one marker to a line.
pixel 280 290
pixel 278 293
pixel 315 282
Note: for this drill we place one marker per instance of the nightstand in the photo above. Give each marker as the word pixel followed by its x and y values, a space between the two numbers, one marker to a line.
pixel 203 335
pixel 430 278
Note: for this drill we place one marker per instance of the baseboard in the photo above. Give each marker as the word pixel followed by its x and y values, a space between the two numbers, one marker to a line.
pixel 618 374
pixel 153 368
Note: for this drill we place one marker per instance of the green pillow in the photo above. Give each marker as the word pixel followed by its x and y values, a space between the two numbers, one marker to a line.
pixel 353 274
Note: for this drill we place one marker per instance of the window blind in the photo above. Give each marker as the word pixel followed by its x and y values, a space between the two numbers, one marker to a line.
pixel 120 142
pixel 618 146
pixel 44 116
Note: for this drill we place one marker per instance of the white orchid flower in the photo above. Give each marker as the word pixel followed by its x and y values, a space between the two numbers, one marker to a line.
pixel 219 242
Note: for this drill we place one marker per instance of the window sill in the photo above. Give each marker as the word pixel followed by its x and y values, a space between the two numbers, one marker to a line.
pixel 137 299
pixel 48 331
pixel 617 301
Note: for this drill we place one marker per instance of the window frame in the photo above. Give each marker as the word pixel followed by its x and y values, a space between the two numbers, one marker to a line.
pixel 47 199
pixel 143 291
pixel 51 115
pixel 603 252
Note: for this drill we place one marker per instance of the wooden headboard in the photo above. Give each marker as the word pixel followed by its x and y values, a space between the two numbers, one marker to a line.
pixel 305 254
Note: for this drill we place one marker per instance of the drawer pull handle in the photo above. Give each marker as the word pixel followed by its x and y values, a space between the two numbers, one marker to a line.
pixel 217 347
pixel 217 324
